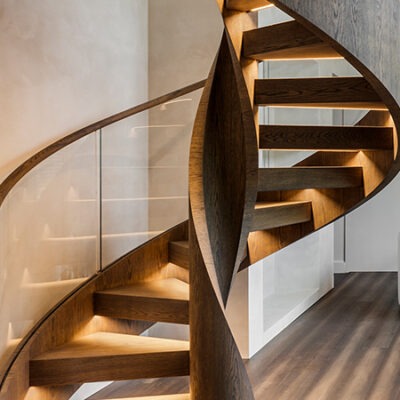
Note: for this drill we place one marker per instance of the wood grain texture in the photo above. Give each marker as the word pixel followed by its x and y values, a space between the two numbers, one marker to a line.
pixel 45 153
pixel 179 253
pixel 376 164
pixel 74 315
pixel 288 40
pixel 299 137
pixel 223 170
pixel 277 214
pixel 247 5
pixel 105 356
pixel 236 23
pixel 143 388
pixel 344 347
pixel 368 35
pixel 382 75
pixel 352 333
pixel 216 367
pixel 165 300
pixel 335 92
pixel 271 179
pixel 261 244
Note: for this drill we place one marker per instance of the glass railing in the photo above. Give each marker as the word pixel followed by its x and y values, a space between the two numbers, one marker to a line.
pixel 87 205
pixel 43 256
pixel 144 175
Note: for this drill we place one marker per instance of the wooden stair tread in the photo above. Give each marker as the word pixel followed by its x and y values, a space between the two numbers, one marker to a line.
pixel 268 215
pixel 333 92
pixel 170 289
pixel 110 356
pixel 165 300
pixel 112 344
pixel 298 137
pixel 179 253
pixel 247 5
pixel 297 178
pixel 287 40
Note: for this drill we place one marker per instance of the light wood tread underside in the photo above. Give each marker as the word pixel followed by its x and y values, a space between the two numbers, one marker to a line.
pixel 179 253
pixel 339 138
pixel 285 41
pixel 269 215
pixel 165 300
pixel 248 5
pixel 110 356
pixel 297 178
pixel 333 92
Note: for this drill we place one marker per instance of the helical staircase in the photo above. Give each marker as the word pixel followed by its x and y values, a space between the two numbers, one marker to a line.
pixel 239 213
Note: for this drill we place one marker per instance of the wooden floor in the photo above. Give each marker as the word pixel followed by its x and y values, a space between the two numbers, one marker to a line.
pixel 347 347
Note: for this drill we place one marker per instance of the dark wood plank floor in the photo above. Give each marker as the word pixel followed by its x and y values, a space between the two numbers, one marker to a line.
pixel 346 347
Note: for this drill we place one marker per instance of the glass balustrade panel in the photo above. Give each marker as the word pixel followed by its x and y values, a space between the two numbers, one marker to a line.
pixel 49 238
pixel 144 172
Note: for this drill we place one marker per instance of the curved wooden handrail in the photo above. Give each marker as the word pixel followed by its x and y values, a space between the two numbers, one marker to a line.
pixel 12 179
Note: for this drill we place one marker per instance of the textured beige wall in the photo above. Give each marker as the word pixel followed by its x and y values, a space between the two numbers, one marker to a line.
pixel 64 64
pixel 184 36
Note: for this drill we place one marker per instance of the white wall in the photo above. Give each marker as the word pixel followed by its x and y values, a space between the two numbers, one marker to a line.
pixel 64 64
pixel 184 36
pixel 372 231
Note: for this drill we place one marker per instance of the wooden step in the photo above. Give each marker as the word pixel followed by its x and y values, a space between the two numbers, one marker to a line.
pixel 285 41
pixel 270 215
pixel 110 356
pixel 179 253
pixel 165 300
pixel 165 397
pixel 247 5
pixel 298 178
pixel 335 92
pixel 296 137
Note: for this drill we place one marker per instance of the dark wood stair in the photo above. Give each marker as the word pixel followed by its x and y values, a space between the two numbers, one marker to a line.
pixel 179 253
pixel 339 138
pixel 335 92
pixel 268 215
pixel 297 178
pixel 110 356
pixel 164 300
pixel 285 41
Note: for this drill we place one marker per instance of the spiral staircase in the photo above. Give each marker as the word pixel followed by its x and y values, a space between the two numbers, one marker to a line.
pixel 239 213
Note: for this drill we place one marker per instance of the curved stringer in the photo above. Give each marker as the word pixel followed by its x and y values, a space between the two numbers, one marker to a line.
pixel 223 182
pixel 240 213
